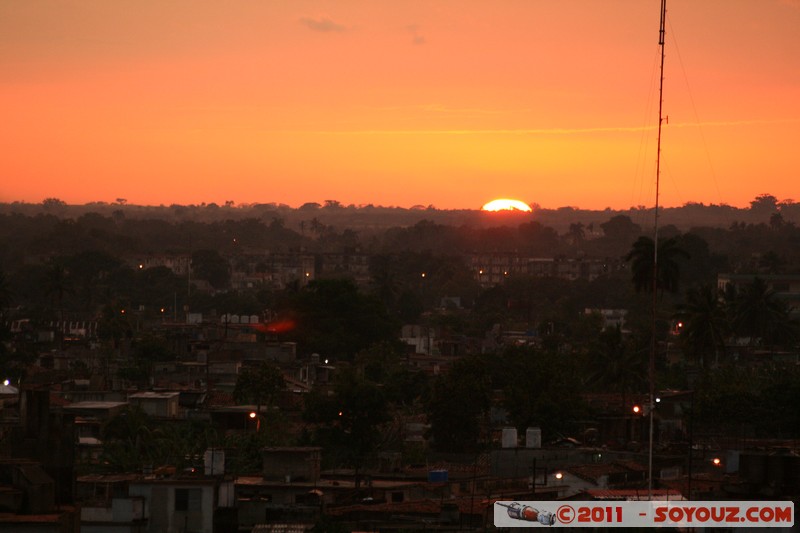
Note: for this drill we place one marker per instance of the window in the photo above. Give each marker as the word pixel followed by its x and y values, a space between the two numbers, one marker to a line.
pixel 181 499
pixel 187 499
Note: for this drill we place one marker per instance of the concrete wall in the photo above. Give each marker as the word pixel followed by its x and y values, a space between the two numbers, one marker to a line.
pixel 161 512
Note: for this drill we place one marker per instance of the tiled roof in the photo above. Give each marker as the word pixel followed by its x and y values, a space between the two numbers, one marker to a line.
pixel 11 518
pixel 700 483
pixel 630 464
pixel 480 466
pixel 57 400
pixel 612 403
pixel 282 528
pixel 633 494
pixel 220 399
pixel 593 472
pixel 426 507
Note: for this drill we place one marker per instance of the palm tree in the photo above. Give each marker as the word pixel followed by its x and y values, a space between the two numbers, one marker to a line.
pixel 576 234
pixel 618 367
pixel 57 285
pixel 5 293
pixel 316 226
pixel 641 258
pixel 704 324
pixel 758 313
pixel 616 363
pixel 260 385
pixel 128 440
pixel 383 270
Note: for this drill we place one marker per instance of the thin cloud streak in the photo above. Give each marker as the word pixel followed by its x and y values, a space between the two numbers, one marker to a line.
pixel 323 25
pixel 551 131
pixel 439 108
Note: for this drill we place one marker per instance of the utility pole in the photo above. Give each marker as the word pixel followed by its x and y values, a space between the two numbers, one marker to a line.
pixel 654 341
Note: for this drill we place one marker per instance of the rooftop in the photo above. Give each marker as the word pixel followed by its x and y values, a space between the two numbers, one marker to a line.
pixel 634 494
pixel 95 405
pixel 154 395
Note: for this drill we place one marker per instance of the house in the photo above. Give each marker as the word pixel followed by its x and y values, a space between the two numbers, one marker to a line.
pixel 106 506
pixel 157 404
pixel 785 286
pixel 175 505
pixel 64 520
pixel 493 268
pixel 136 503
pixel 28 501
pixel 422 339
pixel 178 264
pixel 260 501
pixel 102 411
pixel 612 318
pixel 292 463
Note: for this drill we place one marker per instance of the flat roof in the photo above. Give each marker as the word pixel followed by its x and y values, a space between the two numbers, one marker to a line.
pixel 95 405
pixel 324 483
pixel 154 395
pixel 292 449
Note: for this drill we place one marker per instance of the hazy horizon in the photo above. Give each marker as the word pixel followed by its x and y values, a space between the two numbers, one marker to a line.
pixel 123 202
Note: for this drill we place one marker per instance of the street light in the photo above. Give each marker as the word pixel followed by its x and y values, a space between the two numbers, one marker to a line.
pixel 254 416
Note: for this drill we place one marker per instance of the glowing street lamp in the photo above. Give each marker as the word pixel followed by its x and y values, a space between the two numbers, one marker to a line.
pixel 254 416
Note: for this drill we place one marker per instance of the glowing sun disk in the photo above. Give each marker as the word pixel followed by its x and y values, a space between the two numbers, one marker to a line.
pixel 504 204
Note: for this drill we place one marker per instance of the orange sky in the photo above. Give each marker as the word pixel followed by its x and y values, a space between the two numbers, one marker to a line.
pixel 443 102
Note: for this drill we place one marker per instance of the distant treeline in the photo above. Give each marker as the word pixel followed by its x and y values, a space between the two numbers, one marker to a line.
pixel 369 217
pixel 763 238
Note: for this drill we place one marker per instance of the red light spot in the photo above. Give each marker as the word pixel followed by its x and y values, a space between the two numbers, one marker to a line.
pixel 276 326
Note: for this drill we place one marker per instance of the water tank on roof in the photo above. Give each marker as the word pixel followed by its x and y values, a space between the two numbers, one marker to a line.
pixel 775 469
pixel 509 438
pixel 533 438
pixel 214 462
pixel 753 467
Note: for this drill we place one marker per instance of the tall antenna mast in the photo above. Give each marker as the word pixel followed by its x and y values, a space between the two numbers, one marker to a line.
pixel 654 342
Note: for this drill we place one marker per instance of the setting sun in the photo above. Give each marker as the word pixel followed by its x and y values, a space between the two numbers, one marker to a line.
pixel 504 204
